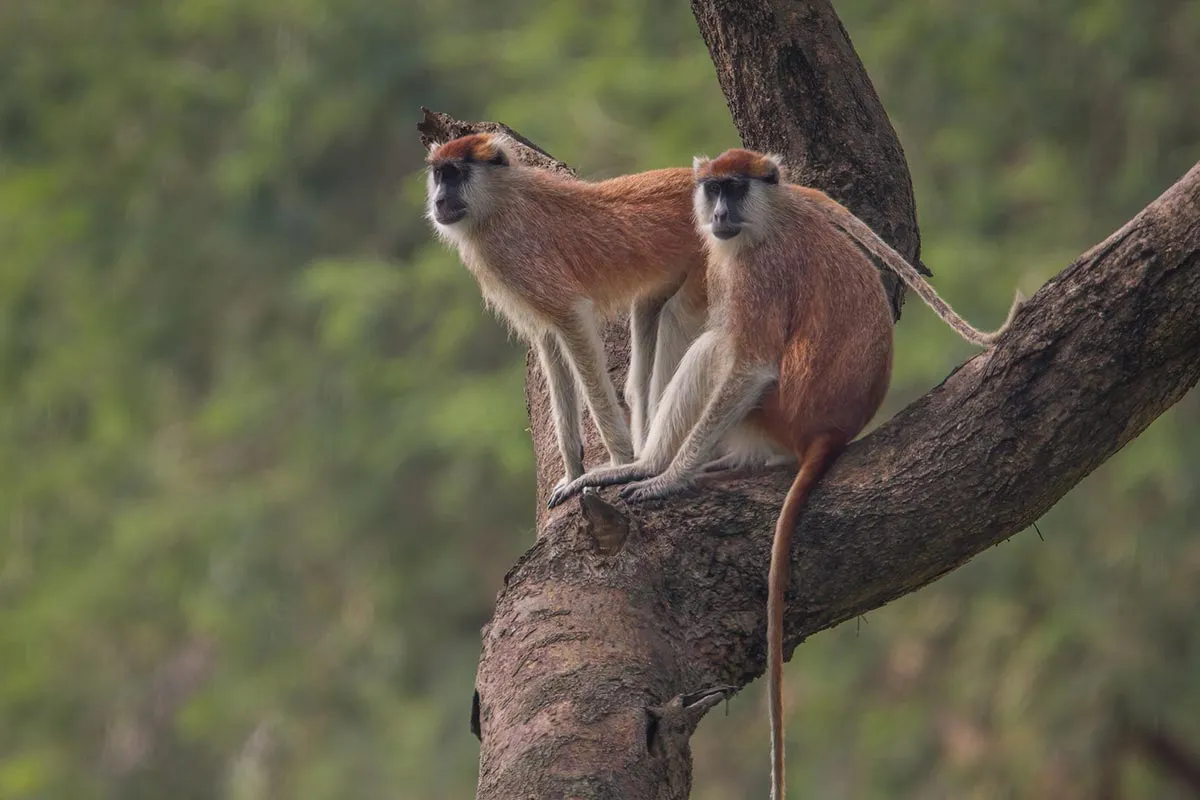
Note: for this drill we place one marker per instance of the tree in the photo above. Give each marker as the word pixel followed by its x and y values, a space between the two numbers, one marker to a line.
pixel 622 626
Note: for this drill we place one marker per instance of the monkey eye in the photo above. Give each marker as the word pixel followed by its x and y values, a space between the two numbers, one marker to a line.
pixel 711 189
pixel 447 173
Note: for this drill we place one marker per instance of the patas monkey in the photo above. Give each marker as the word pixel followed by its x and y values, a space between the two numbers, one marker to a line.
pixel 798 349
pixel 554 255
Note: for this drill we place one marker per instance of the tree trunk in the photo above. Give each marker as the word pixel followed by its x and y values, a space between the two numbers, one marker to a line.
pixel 796 87
pixel 624 624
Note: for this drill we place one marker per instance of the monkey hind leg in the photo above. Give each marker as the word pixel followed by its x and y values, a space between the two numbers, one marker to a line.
pixel 739 390
pixel 680 324
pixel 564 405
pixel 644 321
pixel 746 447
pixel 579 337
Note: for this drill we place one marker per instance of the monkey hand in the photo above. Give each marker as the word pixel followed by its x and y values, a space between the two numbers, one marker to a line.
pixel 655 488
pixel 605 476
pixel 562 484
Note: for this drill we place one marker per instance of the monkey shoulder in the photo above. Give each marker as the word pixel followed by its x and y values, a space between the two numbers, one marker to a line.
pixel 653 185
pixel 813 196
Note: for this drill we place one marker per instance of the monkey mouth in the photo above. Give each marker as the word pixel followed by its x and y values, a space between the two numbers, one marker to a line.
pixel 726 232
pixel 449 216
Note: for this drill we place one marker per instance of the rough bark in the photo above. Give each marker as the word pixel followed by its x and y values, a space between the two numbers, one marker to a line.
pixel 623 624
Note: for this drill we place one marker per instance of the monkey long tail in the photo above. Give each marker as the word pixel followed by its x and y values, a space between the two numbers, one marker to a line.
pixel 813 464
pixel 862 233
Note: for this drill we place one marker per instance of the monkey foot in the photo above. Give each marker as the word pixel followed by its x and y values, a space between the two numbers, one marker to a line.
pixel 562 484
pixel 605 476
pixel 733 463
pixel 728 463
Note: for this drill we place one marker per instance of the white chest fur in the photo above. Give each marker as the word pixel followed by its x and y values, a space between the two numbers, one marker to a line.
pixel 498 295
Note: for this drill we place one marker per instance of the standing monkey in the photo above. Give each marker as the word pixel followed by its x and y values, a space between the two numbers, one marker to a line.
pixel 555 255
pixel 798 350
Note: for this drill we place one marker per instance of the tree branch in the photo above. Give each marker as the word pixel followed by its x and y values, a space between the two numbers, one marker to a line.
pixel 623 624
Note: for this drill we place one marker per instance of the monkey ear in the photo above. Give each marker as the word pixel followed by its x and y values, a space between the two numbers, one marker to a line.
pixel 699 163
pixel 778 162
pixel 505 146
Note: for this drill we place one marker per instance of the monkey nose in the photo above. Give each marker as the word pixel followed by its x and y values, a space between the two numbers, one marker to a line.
pixel 440 204
pixel 720 216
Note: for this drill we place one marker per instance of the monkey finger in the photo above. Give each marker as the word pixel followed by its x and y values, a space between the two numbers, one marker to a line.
pixel 558 489
pixel 561 493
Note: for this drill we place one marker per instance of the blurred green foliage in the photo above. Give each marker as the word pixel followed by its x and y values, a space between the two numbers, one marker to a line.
pixel 263 455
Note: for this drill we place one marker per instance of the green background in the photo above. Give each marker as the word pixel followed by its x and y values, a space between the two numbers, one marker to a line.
pixel 263 458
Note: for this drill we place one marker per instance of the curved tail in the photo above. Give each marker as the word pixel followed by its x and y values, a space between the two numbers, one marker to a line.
pixel 862 233
pixel 813 464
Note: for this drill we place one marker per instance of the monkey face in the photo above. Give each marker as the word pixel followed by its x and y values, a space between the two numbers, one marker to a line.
pixel 731 198
pixel 460 174
pixel 720 203
pixel 448 182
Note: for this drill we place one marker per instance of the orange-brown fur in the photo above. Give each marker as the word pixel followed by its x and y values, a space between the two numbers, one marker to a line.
pixel 550 246
pixel 807 299
pixel 559 239
pixel 748 163
pixel 739 162
pixel 472 147
pixel 610 242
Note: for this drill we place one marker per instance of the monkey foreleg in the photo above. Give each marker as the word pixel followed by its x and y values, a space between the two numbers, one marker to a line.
pixel 726 463
pixel 564 404
pixel 580 340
